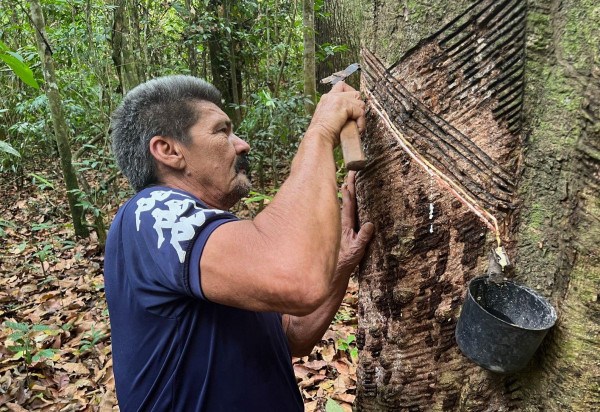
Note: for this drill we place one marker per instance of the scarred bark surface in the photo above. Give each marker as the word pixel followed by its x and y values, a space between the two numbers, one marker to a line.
pixel 537 176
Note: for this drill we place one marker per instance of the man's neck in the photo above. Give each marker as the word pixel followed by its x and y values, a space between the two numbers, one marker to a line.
pixel 196 191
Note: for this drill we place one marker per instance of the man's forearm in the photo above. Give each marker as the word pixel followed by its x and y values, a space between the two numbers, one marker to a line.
pixel 304 332
pixel 303 221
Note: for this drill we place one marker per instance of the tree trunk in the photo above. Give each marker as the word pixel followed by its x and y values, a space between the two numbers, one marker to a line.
pixel 61 133
pixel 338 24
pixel 221 53
pixel 191 38
pixel 233 69
pixel 122 53
pixel 310 84
pixel 288 44
pixel 528 153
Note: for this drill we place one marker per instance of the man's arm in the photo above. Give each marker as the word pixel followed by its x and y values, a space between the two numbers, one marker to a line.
pixel 285 259
pixel 303 332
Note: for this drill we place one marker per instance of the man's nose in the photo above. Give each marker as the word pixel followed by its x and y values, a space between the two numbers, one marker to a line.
pixel 240 145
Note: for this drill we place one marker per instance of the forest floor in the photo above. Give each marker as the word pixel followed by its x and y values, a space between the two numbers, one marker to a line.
pixel 55 351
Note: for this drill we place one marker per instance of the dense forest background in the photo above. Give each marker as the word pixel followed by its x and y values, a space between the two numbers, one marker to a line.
pixel 252 51
pixel 65 66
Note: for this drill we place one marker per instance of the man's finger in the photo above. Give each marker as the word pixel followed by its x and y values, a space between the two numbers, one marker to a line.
pixel 351 179
pixel 348 208
pixel 342 86
pixel 361 123
pixel 365 234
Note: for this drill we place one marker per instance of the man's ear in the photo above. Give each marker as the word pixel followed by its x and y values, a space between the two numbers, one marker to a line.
pixel 167 152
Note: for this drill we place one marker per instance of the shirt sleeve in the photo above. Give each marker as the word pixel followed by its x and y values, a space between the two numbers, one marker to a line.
pixel 168 232
pixel 197 249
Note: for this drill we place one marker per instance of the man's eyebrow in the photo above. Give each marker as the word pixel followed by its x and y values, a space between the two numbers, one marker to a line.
pixel 224 122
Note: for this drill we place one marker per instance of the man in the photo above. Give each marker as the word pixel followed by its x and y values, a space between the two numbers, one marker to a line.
pixel 206 309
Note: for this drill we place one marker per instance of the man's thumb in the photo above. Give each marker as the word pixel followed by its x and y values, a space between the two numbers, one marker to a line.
pixel 365 233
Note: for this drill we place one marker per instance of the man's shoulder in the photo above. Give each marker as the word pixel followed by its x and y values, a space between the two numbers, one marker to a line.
pixel 160 195
pixel 164 204
pixel 176 202
pixel 167 216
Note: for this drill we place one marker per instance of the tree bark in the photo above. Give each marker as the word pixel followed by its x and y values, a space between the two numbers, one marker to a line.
pixel 191 41
pixel 284 59
pixel 338 24
pixel 310 84
pixel 428 245
pixel 222 60
pixel 61 133
pixel 122 54
pixel 233 69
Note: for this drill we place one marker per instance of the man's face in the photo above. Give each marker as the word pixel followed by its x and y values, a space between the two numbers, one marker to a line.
pixel 216 160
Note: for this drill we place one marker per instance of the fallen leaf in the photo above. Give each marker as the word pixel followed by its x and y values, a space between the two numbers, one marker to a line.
pixel 13 407
pixel 344 397
pixel 328 352
pixel 302 371
pixel 76 368
pixel 316 364
pixel 83 382
pixel 341 366
pixel 38 388
pixel 107 402
pixel 62 380
pixel 313 380
pixel 311 406
pixel 28 288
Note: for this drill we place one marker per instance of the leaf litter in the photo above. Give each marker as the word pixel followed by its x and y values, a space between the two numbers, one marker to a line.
pixel 55 352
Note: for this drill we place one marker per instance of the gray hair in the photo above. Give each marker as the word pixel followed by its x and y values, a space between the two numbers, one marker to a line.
pixel 159 107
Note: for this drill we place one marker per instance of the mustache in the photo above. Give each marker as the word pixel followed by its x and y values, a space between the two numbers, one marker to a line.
pixel 242 163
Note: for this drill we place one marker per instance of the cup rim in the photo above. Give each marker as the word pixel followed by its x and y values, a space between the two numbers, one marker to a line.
pixel 552 315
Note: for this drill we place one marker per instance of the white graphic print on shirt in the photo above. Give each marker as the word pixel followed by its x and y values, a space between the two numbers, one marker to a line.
pixel 173 220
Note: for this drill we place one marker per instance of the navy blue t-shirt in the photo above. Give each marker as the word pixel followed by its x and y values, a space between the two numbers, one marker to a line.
pixel 173 350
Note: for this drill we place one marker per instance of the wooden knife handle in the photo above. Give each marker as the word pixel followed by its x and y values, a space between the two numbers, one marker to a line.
pixel 354 157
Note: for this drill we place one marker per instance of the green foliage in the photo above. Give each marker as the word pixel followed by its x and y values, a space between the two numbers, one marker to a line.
pixel 333 406
pixel 41 182
pixel 7 148
pixel 86 203
pixel 6 224
pixel 273 127
pixel 27 341
pixel 343 316
pixel 326 50
pixel 256 197
pixel 27 129
pixel 45 250
pixel 260 42
pixel 91 339
pixel 348 345
pixel 17 65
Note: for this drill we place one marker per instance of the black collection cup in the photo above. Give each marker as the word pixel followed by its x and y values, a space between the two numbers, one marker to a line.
pixel 502 324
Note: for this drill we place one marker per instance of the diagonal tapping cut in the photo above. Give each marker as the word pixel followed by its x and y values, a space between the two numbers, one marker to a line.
pixel 457 191
pixel 453 103
pixel 442 139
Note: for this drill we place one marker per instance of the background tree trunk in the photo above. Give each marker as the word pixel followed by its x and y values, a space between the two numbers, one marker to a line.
pixel 233 69
pixel 222 59
pixel 122 53
pixel 413 280
pixel 338 24
pixel 191 41
pixel 310 84
pixel 61 133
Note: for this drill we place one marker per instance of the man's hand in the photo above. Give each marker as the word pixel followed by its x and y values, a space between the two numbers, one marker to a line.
pixel 335 108
pixel 304 332
pixel 353 244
